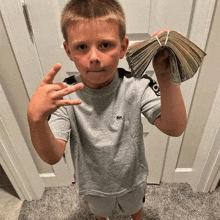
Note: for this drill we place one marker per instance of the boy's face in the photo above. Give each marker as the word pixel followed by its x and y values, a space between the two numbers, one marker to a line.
pixel 95 48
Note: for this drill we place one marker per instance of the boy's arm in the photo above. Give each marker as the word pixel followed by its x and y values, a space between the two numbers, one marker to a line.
pixel 173 117
pixel 47 146
pixel 46 100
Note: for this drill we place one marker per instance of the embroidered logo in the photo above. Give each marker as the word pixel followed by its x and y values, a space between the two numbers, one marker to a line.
pixel 119 117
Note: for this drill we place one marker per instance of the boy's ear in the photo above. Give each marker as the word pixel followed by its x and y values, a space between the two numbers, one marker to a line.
pixel 124 46
pixel 66 47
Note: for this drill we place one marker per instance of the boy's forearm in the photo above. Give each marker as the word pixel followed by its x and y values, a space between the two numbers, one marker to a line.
pixel 44 142
pixel 173 113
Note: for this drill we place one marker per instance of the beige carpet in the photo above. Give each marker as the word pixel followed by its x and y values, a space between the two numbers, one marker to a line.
pixel 10 204
pixel 166 201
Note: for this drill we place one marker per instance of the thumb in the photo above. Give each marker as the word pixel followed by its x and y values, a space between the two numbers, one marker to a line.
pixel 162 55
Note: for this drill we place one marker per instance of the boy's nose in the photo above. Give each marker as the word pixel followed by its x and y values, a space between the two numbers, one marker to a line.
pixel 94 56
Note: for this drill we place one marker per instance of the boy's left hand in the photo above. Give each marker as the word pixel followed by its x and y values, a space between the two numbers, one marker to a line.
pixel 161 61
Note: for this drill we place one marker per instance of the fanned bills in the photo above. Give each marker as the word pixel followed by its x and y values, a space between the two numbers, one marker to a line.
pixel 184 61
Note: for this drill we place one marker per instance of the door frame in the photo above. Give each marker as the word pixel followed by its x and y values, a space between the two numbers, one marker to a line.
pixel 206 169
pixel 15 157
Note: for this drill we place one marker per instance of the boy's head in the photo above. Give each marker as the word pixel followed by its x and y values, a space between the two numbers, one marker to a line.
pixel 78 10
pixel 94 40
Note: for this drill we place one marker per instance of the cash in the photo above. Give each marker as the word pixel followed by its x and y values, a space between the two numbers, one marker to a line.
pixel 184 60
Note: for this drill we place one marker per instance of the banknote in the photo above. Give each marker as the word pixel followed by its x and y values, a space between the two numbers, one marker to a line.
pixel 184 61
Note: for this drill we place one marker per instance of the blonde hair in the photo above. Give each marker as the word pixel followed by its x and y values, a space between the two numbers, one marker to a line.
pixel 78 10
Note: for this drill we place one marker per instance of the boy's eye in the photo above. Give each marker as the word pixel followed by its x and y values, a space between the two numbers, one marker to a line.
pixel 105 45
pixel 82 47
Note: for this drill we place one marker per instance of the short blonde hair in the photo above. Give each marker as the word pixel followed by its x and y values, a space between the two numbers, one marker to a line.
pixel 77 10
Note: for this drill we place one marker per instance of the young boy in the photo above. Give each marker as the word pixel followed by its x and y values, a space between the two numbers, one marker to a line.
pixel 101 112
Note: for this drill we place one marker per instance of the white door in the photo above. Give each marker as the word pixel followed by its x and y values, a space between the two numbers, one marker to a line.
pixel 143 17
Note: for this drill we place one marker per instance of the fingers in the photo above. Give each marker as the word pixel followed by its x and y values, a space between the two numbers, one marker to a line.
pixel 59 86
pixel 134 44
pixel 48 79
pixel 68 102
pixel 160 32
pixel 66 91
pixel 157 33
pixel 162 55
pixel 166 29
pixel 69 90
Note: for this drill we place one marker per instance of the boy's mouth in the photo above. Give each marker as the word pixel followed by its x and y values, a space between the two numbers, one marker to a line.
pixel 95 71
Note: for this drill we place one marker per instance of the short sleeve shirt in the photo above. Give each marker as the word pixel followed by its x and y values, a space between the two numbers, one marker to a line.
pixel 106 133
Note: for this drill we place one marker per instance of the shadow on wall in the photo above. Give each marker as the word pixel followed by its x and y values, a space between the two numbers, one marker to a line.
pixel 5 183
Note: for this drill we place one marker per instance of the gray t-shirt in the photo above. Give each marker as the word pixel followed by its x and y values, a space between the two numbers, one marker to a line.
pixel 106 134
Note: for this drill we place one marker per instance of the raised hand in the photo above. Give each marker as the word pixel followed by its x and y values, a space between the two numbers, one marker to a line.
pixel 49 96
pixel 160 61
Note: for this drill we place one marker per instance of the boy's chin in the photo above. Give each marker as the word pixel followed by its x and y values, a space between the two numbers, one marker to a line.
pixel 99 83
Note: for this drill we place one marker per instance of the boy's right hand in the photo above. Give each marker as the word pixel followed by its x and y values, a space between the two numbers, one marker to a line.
pixel 49 96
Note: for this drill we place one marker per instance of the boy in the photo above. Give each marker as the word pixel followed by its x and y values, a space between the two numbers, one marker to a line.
pixel 101 112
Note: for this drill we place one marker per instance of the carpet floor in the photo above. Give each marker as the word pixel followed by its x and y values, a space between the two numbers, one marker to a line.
pixel 174 201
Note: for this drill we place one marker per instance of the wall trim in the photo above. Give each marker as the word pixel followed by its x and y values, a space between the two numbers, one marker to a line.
pixel 15 157
pixel 206 168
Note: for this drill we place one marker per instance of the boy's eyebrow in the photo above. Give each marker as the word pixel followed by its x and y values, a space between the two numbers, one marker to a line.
pixel 76 42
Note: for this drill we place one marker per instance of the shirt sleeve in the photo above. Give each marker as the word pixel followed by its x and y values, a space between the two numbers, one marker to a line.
pixel 151 102
pixel 59 123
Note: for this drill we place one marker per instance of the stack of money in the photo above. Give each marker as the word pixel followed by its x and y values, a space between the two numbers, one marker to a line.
pixel 184 60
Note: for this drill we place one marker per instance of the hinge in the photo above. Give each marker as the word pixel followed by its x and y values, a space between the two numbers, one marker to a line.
pixel 27 19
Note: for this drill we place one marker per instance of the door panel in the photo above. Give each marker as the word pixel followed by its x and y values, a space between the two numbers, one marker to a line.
pixel 137 15
pixel 45 21
pixel 155 149
pixel 171 14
